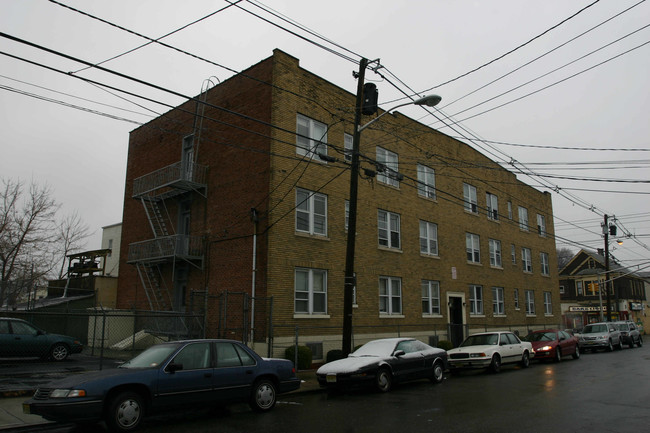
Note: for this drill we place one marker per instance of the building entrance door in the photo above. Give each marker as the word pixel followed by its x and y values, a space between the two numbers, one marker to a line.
pixel 456 320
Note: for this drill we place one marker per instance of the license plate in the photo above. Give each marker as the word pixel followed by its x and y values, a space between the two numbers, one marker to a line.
pixel 26 409
pixel 331 378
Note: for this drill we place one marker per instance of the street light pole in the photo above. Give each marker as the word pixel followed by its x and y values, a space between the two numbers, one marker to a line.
pixel 607 282
pixel 350 280
pixel 349 284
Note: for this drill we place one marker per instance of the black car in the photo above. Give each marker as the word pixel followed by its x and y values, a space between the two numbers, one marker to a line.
pixel 630 334
pixel 382 362
pixel 19 338
pixel 168 376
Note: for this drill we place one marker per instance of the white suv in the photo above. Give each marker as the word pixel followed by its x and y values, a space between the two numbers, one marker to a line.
pixel 605 335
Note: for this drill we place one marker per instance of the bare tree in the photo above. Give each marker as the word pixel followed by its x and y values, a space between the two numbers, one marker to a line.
pixel 564 256
pixel 27 234
pixel 72 233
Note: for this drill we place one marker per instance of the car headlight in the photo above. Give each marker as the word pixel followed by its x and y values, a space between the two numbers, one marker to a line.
pixel 67 393
pixel 477 355
pixel 545 348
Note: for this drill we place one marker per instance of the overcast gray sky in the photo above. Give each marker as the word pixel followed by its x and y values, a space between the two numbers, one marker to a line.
pixel 568 106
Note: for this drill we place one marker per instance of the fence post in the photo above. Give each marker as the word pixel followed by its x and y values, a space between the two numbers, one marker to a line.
pixel 101 353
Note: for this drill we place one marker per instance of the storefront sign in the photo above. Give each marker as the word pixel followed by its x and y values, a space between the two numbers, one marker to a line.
pixel 587 309
pixel 636 306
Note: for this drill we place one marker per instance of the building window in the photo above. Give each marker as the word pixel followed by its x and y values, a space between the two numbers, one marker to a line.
pixel 428 238
pixel 475 300
pixel 388 169
pixel 469 195
pixel 510 210
pixel 561 290
pixel 544 262
pixel 347 214
pixel 579 287
pixel 530 302
pixel 388 226
pixel 495 253
pixel 311 212
pixel 347 147
pixel 498 302
pixel 548 305
pixel 513 254
pixel 426 181
pixel 390 295
pixel 523 218
pixel 110 247
pixel 527 260
pixel 311 291
pixel 430 297
pixel 473 248
pixel 541 225
pixel 516 295
pixel 492 206
pixel 311 137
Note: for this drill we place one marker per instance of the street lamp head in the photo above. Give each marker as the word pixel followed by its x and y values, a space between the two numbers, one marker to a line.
pixel 429 101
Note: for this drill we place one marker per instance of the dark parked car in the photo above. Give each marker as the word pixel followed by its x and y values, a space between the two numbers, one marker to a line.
pixel 630 334
pixel 168 376
pixel 553 344
pixel 382 362
pixel 19 338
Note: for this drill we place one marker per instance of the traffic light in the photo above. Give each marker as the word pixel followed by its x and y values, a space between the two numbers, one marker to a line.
pixel 612 229
pixel 370 98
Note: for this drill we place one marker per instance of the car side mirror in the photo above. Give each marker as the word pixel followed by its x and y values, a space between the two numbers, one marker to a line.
pixel 399 353
pixel 173 367
pixel 39 332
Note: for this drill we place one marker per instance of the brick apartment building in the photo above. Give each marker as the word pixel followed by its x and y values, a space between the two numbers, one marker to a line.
pixel 231 198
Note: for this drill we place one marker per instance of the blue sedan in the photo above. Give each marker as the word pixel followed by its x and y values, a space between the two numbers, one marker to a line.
pixel 19 338
pixel 165 377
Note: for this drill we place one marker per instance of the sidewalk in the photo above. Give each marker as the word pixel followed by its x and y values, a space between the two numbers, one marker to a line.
pixel 12 416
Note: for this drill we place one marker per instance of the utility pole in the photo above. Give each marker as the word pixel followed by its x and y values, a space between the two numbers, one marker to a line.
pixel 607 282
pixel 350 283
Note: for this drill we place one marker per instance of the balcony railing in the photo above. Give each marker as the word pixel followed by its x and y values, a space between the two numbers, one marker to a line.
pixel 165 248
pixel 181 176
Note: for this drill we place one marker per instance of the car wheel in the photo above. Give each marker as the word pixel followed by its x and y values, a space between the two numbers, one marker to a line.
pixel 438 372
pixel 610 346
pixel 384 380
pixel 59 352
pixel 125 412
pixel 619 346
pixel 525 360
pixel 263 397
pixel 576 354
pixel 495 365
pixel 640 342
pixel 558 355
pixel 631 345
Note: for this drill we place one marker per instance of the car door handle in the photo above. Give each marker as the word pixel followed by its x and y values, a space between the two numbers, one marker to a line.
pixel 207 375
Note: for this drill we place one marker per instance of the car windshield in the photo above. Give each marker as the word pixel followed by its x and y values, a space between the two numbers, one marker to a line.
pixel 375 348
pixel 622 327
pixel 594 329
pixel 541 336
pixel 152 357
pixel 481 340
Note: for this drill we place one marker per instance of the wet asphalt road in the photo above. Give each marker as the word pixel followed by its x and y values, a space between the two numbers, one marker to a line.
pixel 601 392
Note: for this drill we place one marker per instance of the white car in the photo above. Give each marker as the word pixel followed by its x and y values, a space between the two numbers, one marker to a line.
pixel 490 350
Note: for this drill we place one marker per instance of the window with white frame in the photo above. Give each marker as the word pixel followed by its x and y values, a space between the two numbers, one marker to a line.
pixel 426 181
pixel 472 246
pixel 530 302
pixel 310 291
pixel 428 238
pixel 523 218
pixel 579 288
pixel 541 225
pixel 548 304
pixel 510 210
pixel 498 302
pixel 389 171
pixel 347 147
pixel 513 254
pixel 311 212
pixel 388 228
pixel 311 137
pixel 469 196
pixel 390 295
pixel 495 253
pixel 430 297
pixel 347 213
pixel 492 206
pixel 544 263
pixel 516 299
pixel 527 260
pixel 561 290
pixel 475 299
